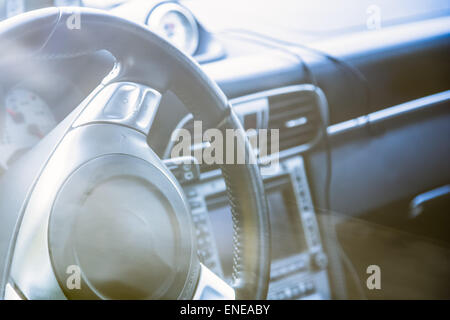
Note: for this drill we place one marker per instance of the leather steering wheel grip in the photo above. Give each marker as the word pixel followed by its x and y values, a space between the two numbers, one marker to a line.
pixel 145 58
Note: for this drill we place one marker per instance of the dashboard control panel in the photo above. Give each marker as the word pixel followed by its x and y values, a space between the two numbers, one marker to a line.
pixel 206 246
pixel 299 263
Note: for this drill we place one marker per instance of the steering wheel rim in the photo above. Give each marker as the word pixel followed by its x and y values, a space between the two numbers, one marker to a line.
pixel 139 53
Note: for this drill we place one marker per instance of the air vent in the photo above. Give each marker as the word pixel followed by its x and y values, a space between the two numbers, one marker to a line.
pixel 297 116
pixel 296 111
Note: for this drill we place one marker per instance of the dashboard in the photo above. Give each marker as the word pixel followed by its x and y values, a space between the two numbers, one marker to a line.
pixel 269 87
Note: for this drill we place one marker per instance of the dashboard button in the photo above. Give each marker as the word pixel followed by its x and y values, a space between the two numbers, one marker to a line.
pixel 320 260
pixel 195 204
pixel 309 286
pixel 295 291
pixel 191 193
pixel 198 218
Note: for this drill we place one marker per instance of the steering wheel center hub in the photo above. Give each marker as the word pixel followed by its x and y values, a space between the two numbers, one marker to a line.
pixel 113 221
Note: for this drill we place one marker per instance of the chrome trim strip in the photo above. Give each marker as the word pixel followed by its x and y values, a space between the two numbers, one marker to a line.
pixel 212 287
pixel 11 293
pixel 421 199
pixel 388 113
pixel 273 92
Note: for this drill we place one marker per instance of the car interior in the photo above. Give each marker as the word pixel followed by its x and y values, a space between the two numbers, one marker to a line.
pixel 93 95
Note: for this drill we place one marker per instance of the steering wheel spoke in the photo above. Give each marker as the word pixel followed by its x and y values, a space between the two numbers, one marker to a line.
pixel 212 287
pixel 125 103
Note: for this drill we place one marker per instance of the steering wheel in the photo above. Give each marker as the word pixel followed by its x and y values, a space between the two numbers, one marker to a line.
pixel 92 199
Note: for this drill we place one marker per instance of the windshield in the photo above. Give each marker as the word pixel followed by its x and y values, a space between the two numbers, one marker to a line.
pixel 303 20
pixel 292 20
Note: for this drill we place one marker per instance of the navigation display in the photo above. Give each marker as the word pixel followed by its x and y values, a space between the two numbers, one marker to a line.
pixel 287 234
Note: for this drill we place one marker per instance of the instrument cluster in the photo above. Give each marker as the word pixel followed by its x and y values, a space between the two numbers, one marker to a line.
pixel 25 118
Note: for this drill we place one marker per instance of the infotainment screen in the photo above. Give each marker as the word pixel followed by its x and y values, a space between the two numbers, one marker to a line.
pixel 287 234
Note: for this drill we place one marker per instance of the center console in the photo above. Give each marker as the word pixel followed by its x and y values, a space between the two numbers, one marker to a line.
pixel 299 263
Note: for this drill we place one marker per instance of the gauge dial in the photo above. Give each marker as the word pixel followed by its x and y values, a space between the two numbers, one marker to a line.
pixel 67 3
pixel 26 119
pixel 176 24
